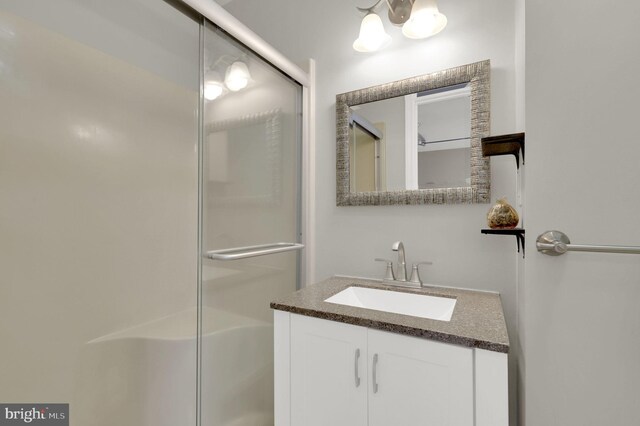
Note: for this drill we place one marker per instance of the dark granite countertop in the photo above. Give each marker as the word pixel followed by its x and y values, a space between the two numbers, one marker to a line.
pixel 477 320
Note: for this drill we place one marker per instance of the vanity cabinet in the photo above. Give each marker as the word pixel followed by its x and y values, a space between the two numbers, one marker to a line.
pixel 419 381
pixel 330 373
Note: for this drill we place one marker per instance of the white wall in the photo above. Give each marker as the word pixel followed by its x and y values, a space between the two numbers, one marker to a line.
pixel 516 346
pixel 349 238
pixel 580 310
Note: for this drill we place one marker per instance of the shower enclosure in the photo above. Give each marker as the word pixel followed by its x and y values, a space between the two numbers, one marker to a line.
pixel 150 209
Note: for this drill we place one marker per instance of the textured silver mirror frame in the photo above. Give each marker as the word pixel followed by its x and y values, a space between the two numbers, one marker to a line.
pixel 478 75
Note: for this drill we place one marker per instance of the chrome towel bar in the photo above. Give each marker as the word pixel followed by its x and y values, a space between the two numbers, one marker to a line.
pixel 252 251
pixel 555 243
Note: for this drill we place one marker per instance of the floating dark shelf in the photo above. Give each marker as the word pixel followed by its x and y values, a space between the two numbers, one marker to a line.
pixel 511 144
pixel 518 232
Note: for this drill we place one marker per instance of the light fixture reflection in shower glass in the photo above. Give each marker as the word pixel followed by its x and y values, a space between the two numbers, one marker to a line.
pixel 213 87
pixel 237 76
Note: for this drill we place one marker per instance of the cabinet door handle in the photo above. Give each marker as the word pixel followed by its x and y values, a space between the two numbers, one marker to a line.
pixel 357 375
pixel 375 373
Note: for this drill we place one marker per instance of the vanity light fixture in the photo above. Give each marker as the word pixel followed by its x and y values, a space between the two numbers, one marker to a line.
pixel 237 76
pixel 372 34
pixel 425 20
pixel 418 18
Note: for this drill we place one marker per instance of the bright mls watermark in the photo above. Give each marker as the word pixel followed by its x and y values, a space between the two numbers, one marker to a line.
pixel 36 414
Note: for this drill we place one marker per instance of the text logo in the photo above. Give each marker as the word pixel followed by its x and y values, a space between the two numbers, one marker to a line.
pixel 34 414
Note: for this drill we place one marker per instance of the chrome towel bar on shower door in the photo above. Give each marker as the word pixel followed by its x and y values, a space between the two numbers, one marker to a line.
pixel 252 251
pixel 555 243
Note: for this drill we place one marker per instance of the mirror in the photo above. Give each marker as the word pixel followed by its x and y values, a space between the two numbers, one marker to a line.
pixel 415 141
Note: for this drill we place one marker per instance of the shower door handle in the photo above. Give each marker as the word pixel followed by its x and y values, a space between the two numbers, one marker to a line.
pixel 252 251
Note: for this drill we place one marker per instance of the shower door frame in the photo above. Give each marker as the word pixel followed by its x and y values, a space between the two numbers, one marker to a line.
pixel 227 22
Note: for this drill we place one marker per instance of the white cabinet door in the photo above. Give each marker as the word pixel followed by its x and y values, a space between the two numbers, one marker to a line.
pixel 419 382
pixel 328 373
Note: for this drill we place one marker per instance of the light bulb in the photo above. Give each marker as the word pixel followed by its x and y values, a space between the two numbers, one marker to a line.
pixel 425 20
pixel 237 76
pixel 213 87
pixel 213 90
pixel 372 34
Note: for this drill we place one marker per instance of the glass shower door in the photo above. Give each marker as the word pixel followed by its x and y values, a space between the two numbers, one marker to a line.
pixel 250 225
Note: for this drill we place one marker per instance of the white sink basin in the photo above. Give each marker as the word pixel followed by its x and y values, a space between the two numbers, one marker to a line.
pixel 417 305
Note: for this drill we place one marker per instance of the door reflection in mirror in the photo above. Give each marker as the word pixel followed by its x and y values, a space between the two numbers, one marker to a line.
pixel 367 146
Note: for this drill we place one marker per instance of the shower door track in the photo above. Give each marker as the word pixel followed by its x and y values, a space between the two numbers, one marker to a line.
pixel 219 16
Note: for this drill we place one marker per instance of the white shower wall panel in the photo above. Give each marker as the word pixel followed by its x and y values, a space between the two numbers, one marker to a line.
pixel 98 189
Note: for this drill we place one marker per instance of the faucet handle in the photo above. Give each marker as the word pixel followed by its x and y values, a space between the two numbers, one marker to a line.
pixel 415 273
pixel 388 276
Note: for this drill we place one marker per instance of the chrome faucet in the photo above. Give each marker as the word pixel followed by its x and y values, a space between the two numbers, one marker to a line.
pixel 402 264
pixel 400 278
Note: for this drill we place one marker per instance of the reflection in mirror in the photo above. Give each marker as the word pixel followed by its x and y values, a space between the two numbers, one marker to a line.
pixel 427 136
pixel 415 141
pixel 443 133
pixel 244 158
pixel 367 146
